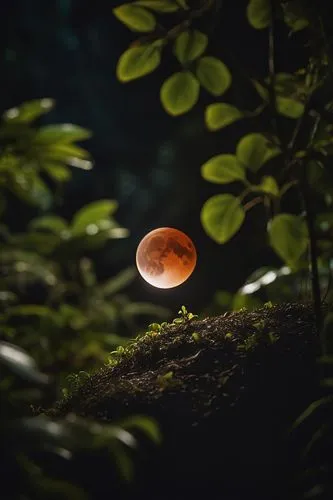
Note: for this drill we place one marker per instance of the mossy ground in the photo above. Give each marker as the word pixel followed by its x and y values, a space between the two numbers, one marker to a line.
pixel 225 391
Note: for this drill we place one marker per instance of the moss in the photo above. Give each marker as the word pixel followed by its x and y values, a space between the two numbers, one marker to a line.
pixel 225 398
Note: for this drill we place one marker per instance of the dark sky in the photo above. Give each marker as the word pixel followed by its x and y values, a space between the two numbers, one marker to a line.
pixel 148 161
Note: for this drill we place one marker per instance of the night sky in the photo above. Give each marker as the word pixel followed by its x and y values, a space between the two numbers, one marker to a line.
pixel 147 160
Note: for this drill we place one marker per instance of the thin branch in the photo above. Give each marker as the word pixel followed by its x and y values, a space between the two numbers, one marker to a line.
pixel 310 218
pixel 271 67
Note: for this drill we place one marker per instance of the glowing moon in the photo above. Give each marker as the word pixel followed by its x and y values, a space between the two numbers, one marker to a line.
pixel 166 257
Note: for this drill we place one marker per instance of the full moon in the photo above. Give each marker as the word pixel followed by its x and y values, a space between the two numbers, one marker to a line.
pixel 166 257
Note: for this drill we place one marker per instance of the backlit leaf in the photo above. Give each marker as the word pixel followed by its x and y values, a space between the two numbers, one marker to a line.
pixel 190 45
pixel 220 115
pixel 179 93
pixel 213 75
pixel 93 213
pixel 65 133
pixel 269 185
pixel 136 18
pixel 159 5
pixel 259 13
pixel 288 236
pixel 29 111
pixel 222 169
pixel 221 216
pixel 137 62
pixel 253 150
pixel 289 107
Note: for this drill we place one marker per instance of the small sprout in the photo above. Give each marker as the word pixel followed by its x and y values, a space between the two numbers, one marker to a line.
pixel 166 380
pixel 191 316
pixel 177 321
pixel 196 336
pixel 268 304
pixel 154 327
pixel 229 335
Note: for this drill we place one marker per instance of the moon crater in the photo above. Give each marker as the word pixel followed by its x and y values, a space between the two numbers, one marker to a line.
pixel 166 257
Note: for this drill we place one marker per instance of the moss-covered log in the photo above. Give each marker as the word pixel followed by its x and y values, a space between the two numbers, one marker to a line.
pixel 225 391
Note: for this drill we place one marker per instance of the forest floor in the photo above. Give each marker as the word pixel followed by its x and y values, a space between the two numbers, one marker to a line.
pixel 225 391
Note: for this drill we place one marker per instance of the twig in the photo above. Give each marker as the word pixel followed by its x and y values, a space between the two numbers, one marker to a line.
pixel 310 216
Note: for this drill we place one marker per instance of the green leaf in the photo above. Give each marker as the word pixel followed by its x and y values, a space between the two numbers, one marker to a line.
pixel 259 13
pixel 220 115
pixel 28 111
pixel 312 408
pixel 135 18
pixel 289 107
pixel 221 216
pixel 19 362
pixel 119 282
pixel 253 150
pixel 57 171
pixel 137 62
pixel 179 93
pixel 93 213
pixel 213 75
pixel 190 45
pixel 262 91
pixel 223 169
pixel 70 154
pixel 64 133
pixel 51 223
pixel 288 236
pixel 159 5
pixel 269 185
pixel 31 189
pixel 146 425
pixel 293 13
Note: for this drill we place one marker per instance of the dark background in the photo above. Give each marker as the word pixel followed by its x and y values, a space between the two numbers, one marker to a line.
pixel 147 160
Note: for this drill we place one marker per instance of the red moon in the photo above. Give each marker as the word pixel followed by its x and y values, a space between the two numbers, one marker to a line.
pixel 166 257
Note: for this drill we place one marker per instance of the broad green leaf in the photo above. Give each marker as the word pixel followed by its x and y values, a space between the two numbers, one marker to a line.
pixel 288 237
pixel 289 107
pixel 31 189
pixel 190 45
pixel 223 169
pixel 220 115
pixel 135 18
pixel 64 133
pixel 253 150
pixel 221 216
pixel 93 213
pixel 137 62
pixel 159 5
pixel 51 223
pixel 179 93
pixel 213 75
pixel 19 362
pixel 269 185
pixel 259 13
pixel 28 111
